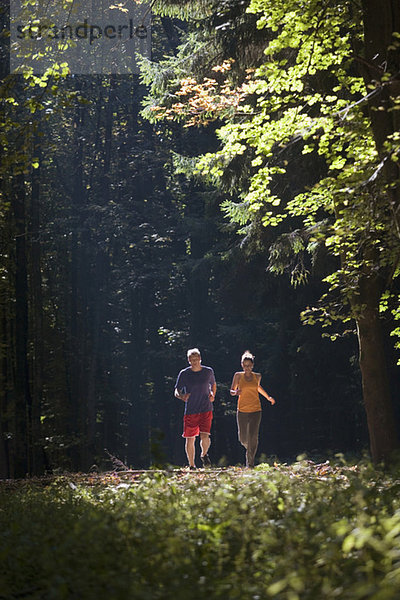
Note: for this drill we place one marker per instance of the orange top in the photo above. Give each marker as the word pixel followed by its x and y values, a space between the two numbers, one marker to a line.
pixel 249 400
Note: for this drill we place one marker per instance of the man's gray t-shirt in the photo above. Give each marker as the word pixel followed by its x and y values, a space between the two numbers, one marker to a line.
pixel 198 384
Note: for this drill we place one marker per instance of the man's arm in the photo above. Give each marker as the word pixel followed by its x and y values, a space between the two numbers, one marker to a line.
pixel 184 397
pixel 180 387
pixel 213 392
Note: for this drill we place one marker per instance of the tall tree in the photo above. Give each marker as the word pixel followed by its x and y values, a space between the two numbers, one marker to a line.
pixel 380 69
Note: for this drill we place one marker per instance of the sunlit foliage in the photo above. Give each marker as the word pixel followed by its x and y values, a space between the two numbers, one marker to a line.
pixel 306 97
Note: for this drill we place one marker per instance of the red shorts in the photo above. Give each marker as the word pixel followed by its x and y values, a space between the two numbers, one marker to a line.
pixel 197 423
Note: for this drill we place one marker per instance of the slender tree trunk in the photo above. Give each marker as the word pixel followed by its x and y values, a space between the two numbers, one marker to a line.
pixel 96 312
pixel 75 333
pixel 162 399
pixel 4 341
pixel 7 404
pixel 73 353
pixel 199 275
pixel 95 303
pixel 3 456
pixel 138 451
pixel 4 467
pixel 37 323
pixel 91 404
pixel 23 400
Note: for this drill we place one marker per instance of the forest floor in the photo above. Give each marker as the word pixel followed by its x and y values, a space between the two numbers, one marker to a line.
pixel 282 531
pixel 124 475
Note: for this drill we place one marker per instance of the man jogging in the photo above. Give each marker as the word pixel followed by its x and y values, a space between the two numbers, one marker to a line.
pixel 196 386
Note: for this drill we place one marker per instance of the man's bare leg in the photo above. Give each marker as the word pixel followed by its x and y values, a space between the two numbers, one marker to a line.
pixel 189 447
pixel 205 443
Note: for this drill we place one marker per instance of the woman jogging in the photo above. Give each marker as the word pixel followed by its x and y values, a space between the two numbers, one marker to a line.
pixel 246 385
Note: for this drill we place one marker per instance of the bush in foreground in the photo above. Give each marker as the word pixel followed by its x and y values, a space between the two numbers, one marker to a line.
pixel 303 531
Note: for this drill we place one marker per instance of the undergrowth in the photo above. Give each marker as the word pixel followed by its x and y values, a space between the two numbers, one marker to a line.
pixel 293 532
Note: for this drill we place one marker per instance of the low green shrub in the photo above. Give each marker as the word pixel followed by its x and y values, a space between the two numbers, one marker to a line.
pixel 303 531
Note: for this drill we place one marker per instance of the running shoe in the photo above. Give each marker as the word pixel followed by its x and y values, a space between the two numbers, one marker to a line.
pixel 206 460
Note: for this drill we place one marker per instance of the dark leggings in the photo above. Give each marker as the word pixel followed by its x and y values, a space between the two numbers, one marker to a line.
pixel 248 426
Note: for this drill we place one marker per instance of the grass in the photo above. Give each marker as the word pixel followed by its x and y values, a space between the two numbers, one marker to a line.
pixel 300 531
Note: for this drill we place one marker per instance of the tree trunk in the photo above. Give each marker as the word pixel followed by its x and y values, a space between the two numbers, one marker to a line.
pixel 200 271
pixel 138 448
pixel 37 323
pixel 4 466
pixel 374 374
pixel 381 18
pixel 5 342
pixel 95 293
pixel 381 68
pixel 75 324
pixel 23 400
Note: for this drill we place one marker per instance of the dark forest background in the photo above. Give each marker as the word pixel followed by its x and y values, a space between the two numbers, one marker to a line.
pixel 112 264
